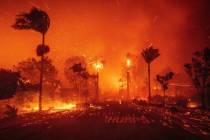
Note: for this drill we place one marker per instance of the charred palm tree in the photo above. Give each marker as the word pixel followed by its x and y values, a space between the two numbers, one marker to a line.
pixel 149 54
pixel 39 21
pixel 164 81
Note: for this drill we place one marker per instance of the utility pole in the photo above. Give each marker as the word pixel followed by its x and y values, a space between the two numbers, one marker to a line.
pixel 128 85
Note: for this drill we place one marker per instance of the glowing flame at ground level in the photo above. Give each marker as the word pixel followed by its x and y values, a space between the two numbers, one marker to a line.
pixel 54 106
pixel 193 105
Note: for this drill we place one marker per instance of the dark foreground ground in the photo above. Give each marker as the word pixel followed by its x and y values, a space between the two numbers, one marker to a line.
pixel 108 122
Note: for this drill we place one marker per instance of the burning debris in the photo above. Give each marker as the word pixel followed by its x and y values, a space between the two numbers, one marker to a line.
pixel 51 107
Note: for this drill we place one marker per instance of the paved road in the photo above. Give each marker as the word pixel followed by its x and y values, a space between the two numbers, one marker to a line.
pixel 107 122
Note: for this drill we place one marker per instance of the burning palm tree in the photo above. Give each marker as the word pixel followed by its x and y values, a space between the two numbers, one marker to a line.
pixel 39 21
pixel 149 54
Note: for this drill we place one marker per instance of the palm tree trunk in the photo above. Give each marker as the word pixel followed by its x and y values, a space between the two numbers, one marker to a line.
pixel 41 75
pixel 203 93
pixel 79 90
pixel 149 89
pixel 203 101
pixel 203 104
pixel 164 97
pixel 128 85
pixel 97 86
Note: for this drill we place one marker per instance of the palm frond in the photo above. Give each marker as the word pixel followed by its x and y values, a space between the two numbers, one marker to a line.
pixel 149 54
pixel 36 19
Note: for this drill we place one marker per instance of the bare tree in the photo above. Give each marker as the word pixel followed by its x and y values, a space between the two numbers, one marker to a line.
pixel 164 81
pixel 39 21
pixel 199 71
pixel 149 55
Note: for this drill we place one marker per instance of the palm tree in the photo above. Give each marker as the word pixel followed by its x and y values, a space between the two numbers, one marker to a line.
pixel 149 54
pixel 38 21
pixel 164 81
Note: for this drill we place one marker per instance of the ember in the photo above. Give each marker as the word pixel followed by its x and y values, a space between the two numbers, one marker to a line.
pixel 192 105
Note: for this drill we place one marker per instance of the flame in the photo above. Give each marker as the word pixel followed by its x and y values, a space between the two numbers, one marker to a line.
pixel 143 98
pixel 128 62
pixel 98 66
pixel 155 88
pixel 52 107
pixel 63 106
pixel 192 105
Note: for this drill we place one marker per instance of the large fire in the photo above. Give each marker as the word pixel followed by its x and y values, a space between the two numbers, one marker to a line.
pixel 51 106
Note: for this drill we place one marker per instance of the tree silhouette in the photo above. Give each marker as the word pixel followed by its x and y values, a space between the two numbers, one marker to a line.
pixel 9 82
pixel 76 73
pixel 77 68
pixel 39 21
pixel 149 54
pixel 199 71
pixel 164 81
pixel 29 69
pixel 84 75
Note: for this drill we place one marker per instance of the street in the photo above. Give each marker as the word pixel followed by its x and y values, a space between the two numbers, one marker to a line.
pixel 108 121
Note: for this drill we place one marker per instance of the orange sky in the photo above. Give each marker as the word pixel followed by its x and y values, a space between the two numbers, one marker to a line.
pixel 109 29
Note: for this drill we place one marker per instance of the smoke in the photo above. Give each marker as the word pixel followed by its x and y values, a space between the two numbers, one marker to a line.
pixel 109 29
